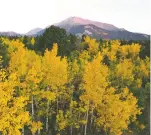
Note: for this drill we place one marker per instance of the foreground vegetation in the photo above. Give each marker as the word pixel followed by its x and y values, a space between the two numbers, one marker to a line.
pixel 83 87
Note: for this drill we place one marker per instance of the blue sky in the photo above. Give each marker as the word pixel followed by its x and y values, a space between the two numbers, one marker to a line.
pixel 24 15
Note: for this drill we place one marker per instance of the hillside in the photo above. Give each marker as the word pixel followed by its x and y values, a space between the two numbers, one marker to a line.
pixel 79 26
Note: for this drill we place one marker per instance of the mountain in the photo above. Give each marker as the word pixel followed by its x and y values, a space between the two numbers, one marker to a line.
pixel 9 33
pixel 98 33
pixel 33 31
pixel 40 32
pixel 72 21
pixel 79 26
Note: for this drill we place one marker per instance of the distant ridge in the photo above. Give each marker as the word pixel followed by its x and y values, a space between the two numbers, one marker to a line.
pixel 79 26
pixel 9 33
pixel 33 31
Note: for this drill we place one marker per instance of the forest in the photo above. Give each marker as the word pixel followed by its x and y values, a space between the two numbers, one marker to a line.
pixel 59 84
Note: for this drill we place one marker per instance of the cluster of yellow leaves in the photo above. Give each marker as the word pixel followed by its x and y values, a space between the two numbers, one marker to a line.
pixel 73 70
pixel 13 116
pixel 144 67
pixel 18 62
pixel 75 110
pixel 125 69
pixel 54 68
pixel 125 51
pixel 27 66
pixel 35 126
pixel 112 51
pixel 13 45
pixel 61 120
pixel 131 50
pixel 32 41
pixel 2 71
pixel 83 57
pixel 95 80
pixel 93 46
pixel 48 95
pixel 116 111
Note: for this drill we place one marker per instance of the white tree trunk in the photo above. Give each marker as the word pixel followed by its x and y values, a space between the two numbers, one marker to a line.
pixel 23 131
pixel 47 118
pixel 87 114
pixel 71 130
pixel 38 131
pixel 32 106
pixel 91 119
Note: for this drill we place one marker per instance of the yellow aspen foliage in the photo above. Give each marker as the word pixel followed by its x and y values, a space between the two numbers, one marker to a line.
pixel 72 114
pixel 105 51
pixel 138 83
pixel 61 120
pixel 34 69
pixel 141 71
pixel 135 49
pixel 89 92
pixel 18 62
pixel 84 56
pixel 35 126
pixel 32 41
pixel 13 45
pixel 83 60
pixel 27 65
pixel 47 95
pixel 13 117
pixel 54 68
pixel 124 70
pixel 95 80
pixel 124 50
pixel 55 76
pixel 115 46
pixel 73 70
pixel 93 46
pixel 144 67
pixel 2 71
pixel 117 111
pixel 130 50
